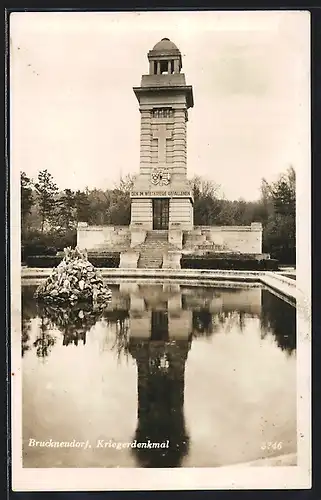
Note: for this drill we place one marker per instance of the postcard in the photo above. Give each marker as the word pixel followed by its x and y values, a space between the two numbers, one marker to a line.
pixel 160 250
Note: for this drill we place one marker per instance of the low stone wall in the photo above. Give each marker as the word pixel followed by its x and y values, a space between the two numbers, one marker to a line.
pixel 203 277
pixel 243 239
pixel 102 237
pixel 282 284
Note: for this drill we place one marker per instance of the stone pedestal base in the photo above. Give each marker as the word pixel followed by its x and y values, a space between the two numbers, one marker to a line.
pixel 172 260
pixel 175 237
pixel 137 236
pixel 129 260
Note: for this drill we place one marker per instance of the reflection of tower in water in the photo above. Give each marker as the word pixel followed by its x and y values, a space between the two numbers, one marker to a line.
pixel 73 338
pixel 160 348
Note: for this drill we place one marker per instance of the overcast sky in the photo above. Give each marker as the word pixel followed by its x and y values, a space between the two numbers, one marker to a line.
pixel 73 110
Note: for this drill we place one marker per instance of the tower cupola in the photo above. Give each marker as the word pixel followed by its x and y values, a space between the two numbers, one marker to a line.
pixel 164 58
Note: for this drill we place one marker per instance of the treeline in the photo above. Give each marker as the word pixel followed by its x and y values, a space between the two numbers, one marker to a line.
pixel 49 216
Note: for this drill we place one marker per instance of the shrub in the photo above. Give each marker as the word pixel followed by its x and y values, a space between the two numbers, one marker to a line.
pixel 38 249
pixel 64 240
pixel 36 243
pixel 111 259
pixel 45 261
pixel 42 261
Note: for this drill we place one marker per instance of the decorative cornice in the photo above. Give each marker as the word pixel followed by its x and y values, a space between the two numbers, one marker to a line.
pixel 187 89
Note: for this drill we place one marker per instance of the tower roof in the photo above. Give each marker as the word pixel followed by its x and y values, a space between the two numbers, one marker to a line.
pixel 165 45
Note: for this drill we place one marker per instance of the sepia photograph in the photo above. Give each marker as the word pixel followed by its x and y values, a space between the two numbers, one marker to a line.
pixel 160 250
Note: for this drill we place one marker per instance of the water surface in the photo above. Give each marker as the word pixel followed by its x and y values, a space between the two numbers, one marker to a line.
pixel 209 372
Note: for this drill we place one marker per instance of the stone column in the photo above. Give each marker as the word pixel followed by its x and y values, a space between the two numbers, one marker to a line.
pixel 158 67
pixel 179 142
pixel 176 66
pixel 151 67
pixel 145 137
pixel 169 67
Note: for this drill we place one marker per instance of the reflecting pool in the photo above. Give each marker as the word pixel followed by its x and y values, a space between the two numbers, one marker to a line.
pixel 165 376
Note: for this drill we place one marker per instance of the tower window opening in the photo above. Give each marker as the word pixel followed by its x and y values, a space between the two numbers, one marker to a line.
pixel 164 67
pixel 155 67
pixel 172 66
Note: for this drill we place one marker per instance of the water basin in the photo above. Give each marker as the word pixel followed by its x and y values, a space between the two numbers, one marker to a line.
pixel 169 375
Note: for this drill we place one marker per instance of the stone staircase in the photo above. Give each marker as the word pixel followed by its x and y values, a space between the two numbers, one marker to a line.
pixel 151 251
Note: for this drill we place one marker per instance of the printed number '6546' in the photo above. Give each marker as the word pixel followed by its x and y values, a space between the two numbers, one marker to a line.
pixel 276 445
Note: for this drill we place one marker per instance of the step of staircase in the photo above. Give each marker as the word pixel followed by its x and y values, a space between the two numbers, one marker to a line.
pixel 157 234
pixel 151 251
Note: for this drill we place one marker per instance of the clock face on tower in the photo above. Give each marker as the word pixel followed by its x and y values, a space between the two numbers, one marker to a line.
pixel 160 176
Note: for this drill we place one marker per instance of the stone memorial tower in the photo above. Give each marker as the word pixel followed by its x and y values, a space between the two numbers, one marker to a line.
pixel 161 224
pixel 162 198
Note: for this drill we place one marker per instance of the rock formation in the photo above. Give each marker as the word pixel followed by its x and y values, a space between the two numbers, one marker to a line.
pixel 74 280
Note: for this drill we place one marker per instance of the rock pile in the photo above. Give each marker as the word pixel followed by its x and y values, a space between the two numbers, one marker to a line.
pixel 74 280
